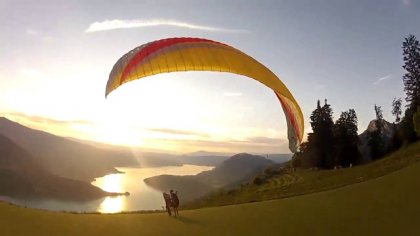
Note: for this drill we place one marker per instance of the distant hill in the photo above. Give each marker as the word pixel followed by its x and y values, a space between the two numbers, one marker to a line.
pixel 202 153
pixel 387 133
pixel 237 169
pixel 86 160
pixel 189 187
pixel 64 157
pixel 280 158
pixel 157 158
pixel 143 158
pixel 215 158
pixel 202 160
pixel 21 177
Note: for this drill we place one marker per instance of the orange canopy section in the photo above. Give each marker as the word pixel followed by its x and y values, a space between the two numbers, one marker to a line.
pixel 196 54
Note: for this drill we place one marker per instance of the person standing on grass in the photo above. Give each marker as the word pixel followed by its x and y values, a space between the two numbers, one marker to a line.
pixel 174 201
pixel 167 198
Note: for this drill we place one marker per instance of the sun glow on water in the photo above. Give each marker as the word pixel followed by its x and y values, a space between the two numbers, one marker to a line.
pixel 112 205
pixel 142 196
pixel 111 183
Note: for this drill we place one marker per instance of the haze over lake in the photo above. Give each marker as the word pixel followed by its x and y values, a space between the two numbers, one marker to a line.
pixel 142 197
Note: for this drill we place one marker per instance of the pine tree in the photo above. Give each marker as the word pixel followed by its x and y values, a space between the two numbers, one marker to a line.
pixel 411 80
pixel 376 143
pixel 396 109
pixel 321 141
pixel 396 139
pixel 346 139
pixel 379 116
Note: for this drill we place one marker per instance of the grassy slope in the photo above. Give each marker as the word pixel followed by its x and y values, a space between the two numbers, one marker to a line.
pixel 388 205
pixel 292 183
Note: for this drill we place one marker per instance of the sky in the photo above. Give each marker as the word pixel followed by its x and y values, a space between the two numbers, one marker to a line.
pixel 56 57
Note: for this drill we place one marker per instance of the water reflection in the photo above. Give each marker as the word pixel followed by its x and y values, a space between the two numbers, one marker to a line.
pixel 142 197
pixel 112 205
pixel 111 183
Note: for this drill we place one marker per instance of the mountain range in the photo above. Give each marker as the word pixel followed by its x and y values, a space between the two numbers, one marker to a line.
pixel 63 157
pixel 34 163
pixel 22 177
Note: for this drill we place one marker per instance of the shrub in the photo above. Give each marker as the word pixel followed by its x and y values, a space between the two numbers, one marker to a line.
pixel 258 180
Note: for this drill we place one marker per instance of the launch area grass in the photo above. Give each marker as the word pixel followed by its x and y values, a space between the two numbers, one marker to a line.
pixel 386 205
pixel 290 183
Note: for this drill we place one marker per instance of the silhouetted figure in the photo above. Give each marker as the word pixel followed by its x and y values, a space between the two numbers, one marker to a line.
pixel 167 198
pixel 174 202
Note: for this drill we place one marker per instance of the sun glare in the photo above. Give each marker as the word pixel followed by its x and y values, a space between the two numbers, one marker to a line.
pixel 110 183
pixel 112 205
pixel 169 112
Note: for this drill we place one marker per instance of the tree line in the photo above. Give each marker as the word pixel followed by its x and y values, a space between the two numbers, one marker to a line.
pixel 336 144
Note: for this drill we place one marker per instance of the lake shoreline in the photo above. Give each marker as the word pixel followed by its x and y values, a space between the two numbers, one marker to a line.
pixel 120 192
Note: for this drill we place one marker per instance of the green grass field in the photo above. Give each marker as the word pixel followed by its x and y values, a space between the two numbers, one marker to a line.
pixel 386 205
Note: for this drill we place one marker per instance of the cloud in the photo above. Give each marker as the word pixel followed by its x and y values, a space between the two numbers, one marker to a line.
pixel 232 94
pixel 406 2
pixel 125 24
pixel 45 120
pixel 250 144
pixel 265 140
pixel 177 132
pixel 382 79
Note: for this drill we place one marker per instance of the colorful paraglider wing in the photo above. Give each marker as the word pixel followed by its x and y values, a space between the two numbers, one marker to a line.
pixel 195 54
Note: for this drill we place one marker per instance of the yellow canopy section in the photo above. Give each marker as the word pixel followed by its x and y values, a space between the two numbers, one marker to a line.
pixel 195 54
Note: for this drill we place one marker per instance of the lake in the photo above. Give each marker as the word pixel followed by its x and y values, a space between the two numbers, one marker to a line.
pixel 142 197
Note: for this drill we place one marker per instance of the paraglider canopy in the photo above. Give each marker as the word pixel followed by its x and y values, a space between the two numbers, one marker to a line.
pixel 197 54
